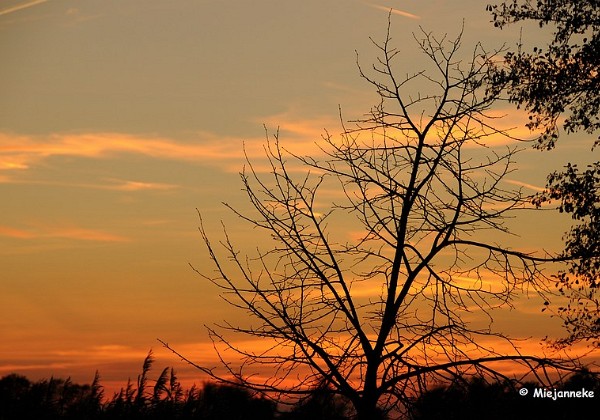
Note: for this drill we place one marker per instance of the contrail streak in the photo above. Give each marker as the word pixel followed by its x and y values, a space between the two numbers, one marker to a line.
pixel 21 7
pixel 394 11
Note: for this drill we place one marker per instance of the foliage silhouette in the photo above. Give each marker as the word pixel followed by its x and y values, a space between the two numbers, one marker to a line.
pixel 477 398
pixel 562 79
pixel 421 175
pixel 48 399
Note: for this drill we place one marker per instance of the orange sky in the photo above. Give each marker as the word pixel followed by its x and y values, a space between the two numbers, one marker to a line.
pixel 120 118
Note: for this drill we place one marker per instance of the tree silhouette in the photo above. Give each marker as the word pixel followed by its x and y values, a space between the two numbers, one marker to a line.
pixel 13 395
pixel 562 79
pixel 478 398
pixel 378 317
pixel 49 399
pixel 62 399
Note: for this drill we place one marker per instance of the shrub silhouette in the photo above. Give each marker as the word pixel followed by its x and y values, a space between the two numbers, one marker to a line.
pixel 146 399
pixel 477 398
pixel 49 399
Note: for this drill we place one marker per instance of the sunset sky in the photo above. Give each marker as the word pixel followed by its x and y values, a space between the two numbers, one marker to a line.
pixel 120 118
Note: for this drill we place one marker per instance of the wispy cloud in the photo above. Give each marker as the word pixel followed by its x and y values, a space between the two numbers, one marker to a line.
pixel 74 233
pixel 524 185
pixel 21 7
pixel 20 152
pixel 297 135
pixel 76 15
pixel 300 133
pixel 10 232
pixel 140 186
pixel 394 11
pixel 89 235
pixel 111 184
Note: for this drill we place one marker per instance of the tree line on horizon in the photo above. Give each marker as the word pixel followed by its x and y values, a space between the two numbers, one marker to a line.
pixel 165 398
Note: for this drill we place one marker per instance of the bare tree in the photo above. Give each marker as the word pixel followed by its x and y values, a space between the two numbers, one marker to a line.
pixel 422 177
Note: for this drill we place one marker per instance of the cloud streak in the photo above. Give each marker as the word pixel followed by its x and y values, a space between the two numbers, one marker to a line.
pixel 21 7
pixel 73 233
pixel 524 185
pixel 20 152
pixel 140 186
pixel 394 11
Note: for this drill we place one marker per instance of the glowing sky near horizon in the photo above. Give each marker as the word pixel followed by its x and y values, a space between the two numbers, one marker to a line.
pixel 120 118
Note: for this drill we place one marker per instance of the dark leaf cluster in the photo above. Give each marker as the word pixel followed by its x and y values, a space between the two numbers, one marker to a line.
pixel 577 194
pixel 562 78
